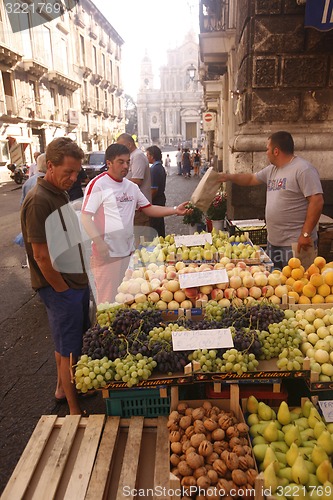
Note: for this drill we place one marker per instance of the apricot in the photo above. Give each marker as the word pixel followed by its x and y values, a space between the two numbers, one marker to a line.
pixel 324 290
pixel 319 262
pixel 286 271
pixel 298 286
pixel 316 279
pixel 309 290
pixel 294 262
pixel 328 278
pixel 312 270
pixel 329 299
pixel 290 281
pixel 297 273
pixel 304 300
pixel 317 299
pixel 295 295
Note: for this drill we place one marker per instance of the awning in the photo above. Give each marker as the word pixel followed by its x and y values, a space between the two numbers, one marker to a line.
pixel 319 14
pixel 20 139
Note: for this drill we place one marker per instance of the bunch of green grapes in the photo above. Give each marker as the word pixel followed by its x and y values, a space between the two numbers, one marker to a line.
pixel 234 361
pixel 144 306
pixel 93 373
pixel 290 359
pixel 208 359
pixel 279 336
pixel 165 332
pixel 106 312
pixel 213 310
pixel 133 368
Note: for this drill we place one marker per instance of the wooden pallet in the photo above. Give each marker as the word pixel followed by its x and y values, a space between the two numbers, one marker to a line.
pixel 92 458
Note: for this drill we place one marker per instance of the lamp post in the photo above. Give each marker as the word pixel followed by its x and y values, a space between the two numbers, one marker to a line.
pixel 191 71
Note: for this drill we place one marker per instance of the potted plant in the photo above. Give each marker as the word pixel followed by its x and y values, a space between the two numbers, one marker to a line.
pixel 217 210
pixel 194 219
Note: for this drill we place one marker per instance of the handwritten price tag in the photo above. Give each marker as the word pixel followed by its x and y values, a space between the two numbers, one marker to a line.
pixel 189 280
pixel 327 409
pixel 201 339
pixel 193 240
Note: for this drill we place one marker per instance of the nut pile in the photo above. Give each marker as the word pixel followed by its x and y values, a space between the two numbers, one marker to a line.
pixel 210 453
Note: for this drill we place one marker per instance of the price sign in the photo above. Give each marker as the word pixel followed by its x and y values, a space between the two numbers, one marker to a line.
pixel 201 339
pixel 190 280
pixel 193 240
pixel 327 409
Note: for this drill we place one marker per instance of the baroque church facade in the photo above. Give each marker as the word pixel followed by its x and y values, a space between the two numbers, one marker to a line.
pixel 172 114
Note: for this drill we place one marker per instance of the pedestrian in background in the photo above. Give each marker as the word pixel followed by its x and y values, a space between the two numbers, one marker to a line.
pixel 167 164
pixel 139 173
pixel 294 201
pixel 179 156
pixel 32 181
pixel 33 166
pixel 196 163
pixel 64 294
pixel 187 164
pixel 158 180
pixel 76 191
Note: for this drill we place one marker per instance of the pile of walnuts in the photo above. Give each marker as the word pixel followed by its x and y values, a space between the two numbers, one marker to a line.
pixel 210 453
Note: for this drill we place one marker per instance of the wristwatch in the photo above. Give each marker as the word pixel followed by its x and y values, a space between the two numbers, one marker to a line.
pixel 175 208
pixel 306 235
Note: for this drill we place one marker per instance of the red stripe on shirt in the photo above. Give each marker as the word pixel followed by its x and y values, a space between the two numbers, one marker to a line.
pixel 90 187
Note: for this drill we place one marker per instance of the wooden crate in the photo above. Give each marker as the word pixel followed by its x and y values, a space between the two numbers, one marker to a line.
pixel 92 458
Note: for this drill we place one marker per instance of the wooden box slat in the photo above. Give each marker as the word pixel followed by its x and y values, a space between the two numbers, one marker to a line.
pixel 162 463
pixel 28 462
pixel 80 476
pixel 131 458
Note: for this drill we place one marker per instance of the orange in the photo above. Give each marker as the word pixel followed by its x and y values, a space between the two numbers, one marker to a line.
pixel 294 262
pixel 324 290
pixel 309 290
pixel 286 271
pixel 316 279
pixel 304 300
pixel 319 262
pixel 297 273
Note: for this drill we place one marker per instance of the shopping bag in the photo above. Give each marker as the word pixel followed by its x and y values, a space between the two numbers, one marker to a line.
pixel 205 191
pixel 19 240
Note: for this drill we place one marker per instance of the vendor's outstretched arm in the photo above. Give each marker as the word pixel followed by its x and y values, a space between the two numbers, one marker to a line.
pixel 158 211
pixel 240 179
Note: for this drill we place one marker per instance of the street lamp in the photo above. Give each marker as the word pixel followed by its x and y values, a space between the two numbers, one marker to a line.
pixel 191 71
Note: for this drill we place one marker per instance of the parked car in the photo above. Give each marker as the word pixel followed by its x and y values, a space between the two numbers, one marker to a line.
pixel 93 163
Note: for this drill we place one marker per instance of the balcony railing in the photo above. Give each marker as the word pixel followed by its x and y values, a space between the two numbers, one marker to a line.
pixel 216 15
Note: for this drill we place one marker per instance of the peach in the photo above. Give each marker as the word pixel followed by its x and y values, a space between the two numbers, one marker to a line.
pixel 191 293
pixel 281 290
pixel 186 304
pixel 319 262
pixel 309 290
pixel 179 265
pixel 312 270
pixel 171 275
pixel 294 262
pixel 139 298
pixel 179 296
pixel 304 300
pixel 166 296
pixel 324 290
pixel 224 302
pixel 172 285
pixel 235 282
pixel 229 293
pixel 316 279
pixel 274 279
pixel 297 273
pixel 255 292
pixel 153 297
pixel 161 305
pixel 317 299
pixel 242 292
pixel 286 271
pixel 294 295
pixel 206 289
pixel 283 279
pixel 267 291
pixel 222 286
pixel 274 299
pixel 173 305
pixel 298 286
pixel 236 302
pixel 248 281
pixel 217 294
pixel 290 281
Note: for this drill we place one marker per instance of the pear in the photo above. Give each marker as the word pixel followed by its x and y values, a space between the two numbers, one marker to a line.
pixel 292 454
pixel 305 451
pixel 318 455
pixel 324 472
pixel 280 446
pixel 310 466
pixel 293 436
pixel 259 440
pixel 281 457
pixel 326 442
pixel 264 411
pixel 252 419
pixel 299 471
pixel 307 407
pixel 271 432
pixel 257 429
pixel 286 428
pixel 307 434
pixel 318 429
pixel 294 416
pixel 270 479
pixel 302 422
pixel 259 451
pixel 270 457
pixel 283 414
pixel 308 444
pixel 285 472
pixel 313 417
pixel 298 410
pixel 313 481
pixel 330 427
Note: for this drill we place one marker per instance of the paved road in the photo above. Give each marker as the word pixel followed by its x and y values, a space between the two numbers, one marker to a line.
pixel 26 350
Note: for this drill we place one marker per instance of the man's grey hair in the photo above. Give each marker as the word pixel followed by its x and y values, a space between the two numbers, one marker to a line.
pixel 41 163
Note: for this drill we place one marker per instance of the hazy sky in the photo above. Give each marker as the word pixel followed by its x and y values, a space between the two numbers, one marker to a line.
pixel 155 25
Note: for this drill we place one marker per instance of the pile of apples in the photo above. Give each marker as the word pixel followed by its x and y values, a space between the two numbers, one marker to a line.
pixel 316 329
pixel 160 285
pixel 294 449
pixel 311 286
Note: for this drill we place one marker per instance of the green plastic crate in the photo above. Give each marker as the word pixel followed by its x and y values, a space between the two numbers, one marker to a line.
pixel 137 402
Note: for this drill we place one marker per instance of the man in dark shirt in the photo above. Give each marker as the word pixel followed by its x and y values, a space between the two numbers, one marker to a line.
pixel 57 273
pixel 158 179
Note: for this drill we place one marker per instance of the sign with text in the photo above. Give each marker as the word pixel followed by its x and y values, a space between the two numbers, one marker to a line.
pixel 201 339
pixel 208 120
pixel 327 410
pixel 319 14
pixel 190 280
pixel 193 240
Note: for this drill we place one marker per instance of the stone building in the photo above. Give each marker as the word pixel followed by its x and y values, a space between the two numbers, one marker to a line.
pixel 61 77
pixel 171 114
pixel 262 70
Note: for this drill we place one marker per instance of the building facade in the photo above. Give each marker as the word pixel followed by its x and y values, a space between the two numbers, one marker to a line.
pixel 171 114
pixel 262 70
pixel 62 77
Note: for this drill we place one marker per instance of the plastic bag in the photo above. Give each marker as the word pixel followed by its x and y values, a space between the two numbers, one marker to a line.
pixel 19 240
